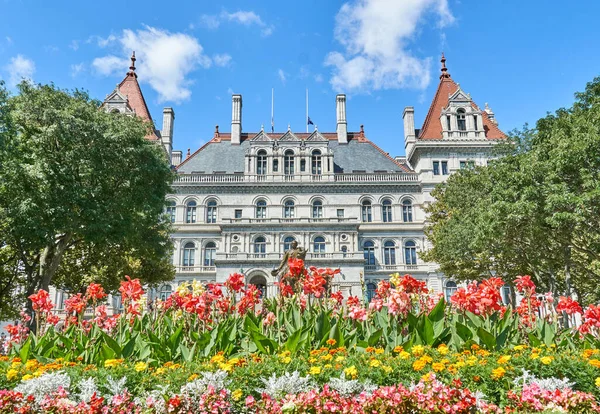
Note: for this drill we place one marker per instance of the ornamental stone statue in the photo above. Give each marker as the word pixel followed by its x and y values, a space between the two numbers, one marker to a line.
pixel 296 252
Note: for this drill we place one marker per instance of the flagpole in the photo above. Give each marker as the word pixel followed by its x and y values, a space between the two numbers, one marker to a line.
pixel 306 110
pixel 272 110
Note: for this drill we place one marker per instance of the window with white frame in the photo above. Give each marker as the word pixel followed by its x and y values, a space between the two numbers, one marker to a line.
pixel 407 211
pixel 317 209
pixel 210 254
pixel 211 211
pixel 389 253
pixel 171 210
pixel 189 254
pixel 261 209
pixel 410 253
pixel 261 162
pixel 316 162
pixel 190 212
pixel 287 243
pixel 461 119
pixel 319 245
pixel 288 163
pixel 386 210
pixel 288 209
pixel 450 289
pixel 367 212
pixel 369 253
pixel 260 246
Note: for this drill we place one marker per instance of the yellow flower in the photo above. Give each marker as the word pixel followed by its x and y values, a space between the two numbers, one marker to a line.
pixel 111 363
pixel 31 364
pixel 375 363
pixel 546 360
pixel 595 363
pixel 395 279
pixel 183 289
pixel 503 359
pixel 351 372
pixel 197 288
pixel 437 366
pixel 218 359
pixel 404 355
pixel 427 377
pixel 234 361
pixel 370 349
pixel 315 370
pixel 419 364
pixel 339 358
pixel 237 395
pixel 498 373
pixel 160 371
pixel 398 349
pixel 11 374
pixel 534 355
pixel 597 381
pixel 27 377
pixel 327 366
pixel 286 360
pixel 417 350
pixel 192 377
pixel 141 366
pixel 379 351
pixel 226 367
pixel 327 357
pixel 459 364
pixel 312 360
pixel 443 349
pixel 387 369
pixel 519 347
pixel 331 342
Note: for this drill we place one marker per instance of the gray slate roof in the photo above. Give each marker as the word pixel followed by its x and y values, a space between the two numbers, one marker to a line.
pixel 355 156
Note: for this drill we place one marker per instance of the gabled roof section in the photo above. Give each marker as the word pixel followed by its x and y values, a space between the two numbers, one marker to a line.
pixel 316 137
pixel 261 137
pixel 289 136
pixel 432 128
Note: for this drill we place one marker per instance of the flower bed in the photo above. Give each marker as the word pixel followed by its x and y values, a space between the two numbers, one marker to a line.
pixel 221 348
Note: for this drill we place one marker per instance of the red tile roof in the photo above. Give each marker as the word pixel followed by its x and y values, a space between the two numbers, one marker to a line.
pixel 432 127
pixel 135 98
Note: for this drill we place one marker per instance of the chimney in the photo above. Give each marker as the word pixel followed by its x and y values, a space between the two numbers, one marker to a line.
pixel 342 126
pixel 176 158
pixel 409 129
pixel 236 119
pixel 167 131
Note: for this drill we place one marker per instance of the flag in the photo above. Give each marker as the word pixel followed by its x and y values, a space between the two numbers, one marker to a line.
pixel 309 122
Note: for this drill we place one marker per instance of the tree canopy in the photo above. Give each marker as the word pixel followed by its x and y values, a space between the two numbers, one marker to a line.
pixel 534 210
pixel 81 193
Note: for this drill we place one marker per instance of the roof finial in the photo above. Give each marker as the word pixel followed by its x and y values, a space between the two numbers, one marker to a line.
pixel 132 67
pixel 216 130
pixel 188 153
pixel 289 127
pixel 445 74
pixel 262 128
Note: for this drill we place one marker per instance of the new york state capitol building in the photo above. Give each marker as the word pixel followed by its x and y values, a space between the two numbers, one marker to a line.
pixel 241 199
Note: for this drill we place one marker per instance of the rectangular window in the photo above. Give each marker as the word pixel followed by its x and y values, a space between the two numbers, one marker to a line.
pixel 340 213
pixel 238 214
pixel 475 122
pixel 467 164
pixel 436 168
pixel 275 165
pixel 444 167
pixel 448 123
pixel 302 165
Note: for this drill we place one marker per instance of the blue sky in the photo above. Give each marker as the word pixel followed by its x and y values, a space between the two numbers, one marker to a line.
pixel 523 57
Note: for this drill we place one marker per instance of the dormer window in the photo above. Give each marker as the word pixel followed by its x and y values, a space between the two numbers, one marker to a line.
pixel 475 122
pixel 261 162
pixel 448 124
pixel 461 119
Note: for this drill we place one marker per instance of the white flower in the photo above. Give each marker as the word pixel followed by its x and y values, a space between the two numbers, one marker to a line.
pixel 87 388
pixel 278 387
pixel 549 384
pixel 350 387
pixel 115 387
pixel 45 384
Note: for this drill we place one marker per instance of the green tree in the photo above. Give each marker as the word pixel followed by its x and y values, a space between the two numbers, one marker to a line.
pixel 82 192
pixel 536 210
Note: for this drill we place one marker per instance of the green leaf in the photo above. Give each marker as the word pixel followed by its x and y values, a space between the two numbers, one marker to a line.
pixel 487 339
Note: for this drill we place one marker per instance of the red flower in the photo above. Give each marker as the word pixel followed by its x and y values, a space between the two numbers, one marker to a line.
pixel 235 282
pixel 95 292
pixel 524 285
pixel 131 289
pixel 285 289
pixel 412 285
pixel 41 301
pixel 568 305
pixel 75 304
pixel 338 296
pixel 314 284
pixel 296 266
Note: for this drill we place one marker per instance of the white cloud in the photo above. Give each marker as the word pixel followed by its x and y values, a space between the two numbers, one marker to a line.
pixel 230 91
pixel 375 35
pixel 103 41
pixel 74 44
pixel 241 17
pixel 164 60
pixel 222 60
pixel 8 40
pixel 19 68
pixel 318 78
pixel 282 75
pixel 76 69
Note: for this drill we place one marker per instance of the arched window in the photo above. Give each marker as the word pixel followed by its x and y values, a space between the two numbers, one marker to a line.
pixel 261 209
pixel 260 246
pixel 344 251
pixel 389 253
pixel 369 252
pixel 210 253
pixel 407 215
pixel 506 295
pixel 287 243
pixel 171 211
pixel 386 211
pixel 461 119
pixel 211 211
pixel 288 163
pixel 288 209
pixel 410 253
pixel 371 289
pixel 367 215
pixel 319 245
pixel 261 162
pixel 316 162
pixel 164 292
pixel 317 209
pixel 190 212
pixel 450 289
pixel 189 254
